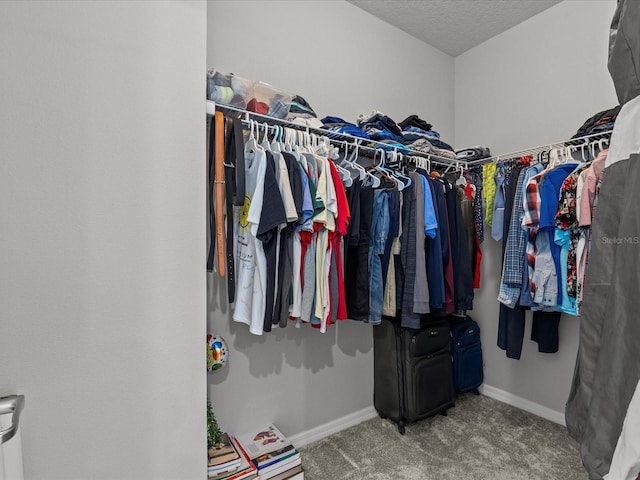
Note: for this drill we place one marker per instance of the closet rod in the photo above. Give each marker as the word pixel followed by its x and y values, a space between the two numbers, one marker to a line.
pixel 334 136
pixel 577 142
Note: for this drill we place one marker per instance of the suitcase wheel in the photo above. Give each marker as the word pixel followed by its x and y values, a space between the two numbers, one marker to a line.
pixel 476 391
pixel 444 413
pixel 401 428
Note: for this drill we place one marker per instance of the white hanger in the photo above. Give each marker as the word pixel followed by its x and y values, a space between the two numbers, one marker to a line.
pixel 320 145
pixel 382 166
pixel 313 143
pixel 592 149
pixel 423 162
pixel 252 143
pixel 343 161
pixel 394 172
pixel 345 175
pixel 283 136
pixel 353 162
pixel 286 141
pixel 379 166
pixel 375 181
pixel 276 145
pixel 585 144
pixel 554 158
pixel 265 140
pixel 389 171
pixel 407 180
pixel 305 141
pixel 602 142
pixel 371 179
pixel 461 181
pixel 334 153
pixel 300 141
pixel 569 157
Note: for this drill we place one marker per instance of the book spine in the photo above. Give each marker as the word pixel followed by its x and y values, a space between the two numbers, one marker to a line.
pixel 281 466
pixel 278 454
pixel 274 461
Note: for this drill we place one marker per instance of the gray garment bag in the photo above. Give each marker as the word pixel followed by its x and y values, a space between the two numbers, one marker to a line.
pixel 608 362
pixel 624 50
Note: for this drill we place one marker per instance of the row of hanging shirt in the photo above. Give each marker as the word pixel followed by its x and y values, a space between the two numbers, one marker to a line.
pixel 548 234
pixel 410 239
pixel 411 246
pixel 288 234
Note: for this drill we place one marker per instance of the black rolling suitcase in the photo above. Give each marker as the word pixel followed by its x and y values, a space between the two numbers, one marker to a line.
pixel 468 373
pixel 413 376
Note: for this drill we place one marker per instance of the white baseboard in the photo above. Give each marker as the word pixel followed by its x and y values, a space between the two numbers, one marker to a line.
pixel 334 426
pixel 523 404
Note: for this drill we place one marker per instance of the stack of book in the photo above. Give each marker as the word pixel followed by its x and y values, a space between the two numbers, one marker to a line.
pixel 229 461
pixel 273 456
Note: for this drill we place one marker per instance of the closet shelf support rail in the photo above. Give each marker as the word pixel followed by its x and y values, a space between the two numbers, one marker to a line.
pixel 350 140
pixel 337 137
pixel 573 142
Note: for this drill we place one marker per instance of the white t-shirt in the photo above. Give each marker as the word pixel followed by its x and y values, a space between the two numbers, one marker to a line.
pixel 282 175
pixel 251 275
pixel 327 194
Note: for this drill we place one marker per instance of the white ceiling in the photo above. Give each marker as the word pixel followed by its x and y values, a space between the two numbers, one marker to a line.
pixel 454 26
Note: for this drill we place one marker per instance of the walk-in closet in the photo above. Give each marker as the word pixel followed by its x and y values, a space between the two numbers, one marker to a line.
pixel 341 198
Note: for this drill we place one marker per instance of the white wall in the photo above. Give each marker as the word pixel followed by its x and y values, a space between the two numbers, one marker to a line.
pixel 102 244
pixel 341 59
pixel 344 62
pixel 534 84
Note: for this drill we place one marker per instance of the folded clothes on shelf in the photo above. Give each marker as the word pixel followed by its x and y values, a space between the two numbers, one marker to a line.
pixel 379 126
pixel 339 125
pixel 473 153
pixel 415 121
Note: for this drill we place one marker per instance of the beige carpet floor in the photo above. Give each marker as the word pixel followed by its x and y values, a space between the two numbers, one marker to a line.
pixel 480 439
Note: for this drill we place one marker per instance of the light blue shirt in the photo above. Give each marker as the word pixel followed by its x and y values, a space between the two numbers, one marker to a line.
pixel 568 304
pixel 307 205
pixel 430 219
